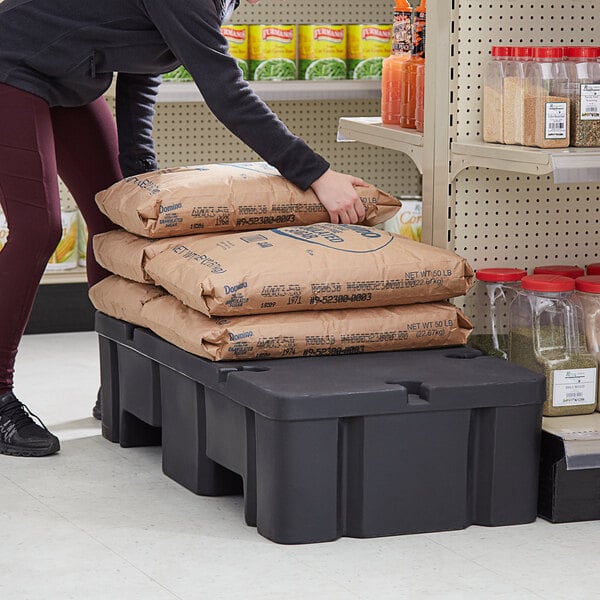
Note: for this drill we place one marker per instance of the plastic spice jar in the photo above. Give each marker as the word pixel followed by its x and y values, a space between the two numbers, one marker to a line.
pixel 588 291
pixel 493 77
pixel 547 335
pixel 583 72
pixel 489 301
pixel 564 270
pixel 513 94
pixel 546 104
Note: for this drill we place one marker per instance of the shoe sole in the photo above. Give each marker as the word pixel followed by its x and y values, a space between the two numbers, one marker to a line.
pixel 28 452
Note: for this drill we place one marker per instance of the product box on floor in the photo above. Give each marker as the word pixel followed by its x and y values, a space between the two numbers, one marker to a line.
pixel 570 469
pixel 359 445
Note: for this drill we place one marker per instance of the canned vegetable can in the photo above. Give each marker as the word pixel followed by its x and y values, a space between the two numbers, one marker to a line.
pixel 322 51
pixel 368 45
pixel 272 52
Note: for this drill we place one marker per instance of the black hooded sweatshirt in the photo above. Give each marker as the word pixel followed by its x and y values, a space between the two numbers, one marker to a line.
pixel 66 52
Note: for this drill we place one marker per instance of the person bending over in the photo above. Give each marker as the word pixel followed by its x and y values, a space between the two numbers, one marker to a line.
pixel 57 58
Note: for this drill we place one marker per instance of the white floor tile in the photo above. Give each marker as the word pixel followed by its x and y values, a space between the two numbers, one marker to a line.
pixel 98 521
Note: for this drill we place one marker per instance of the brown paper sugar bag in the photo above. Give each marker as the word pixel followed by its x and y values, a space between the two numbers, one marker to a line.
pixel 222 197
pixel 307 333
pixel 125 254
pixel 322 266
pixel 123 299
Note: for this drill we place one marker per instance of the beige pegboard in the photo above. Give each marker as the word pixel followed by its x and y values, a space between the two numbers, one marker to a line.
pixel 500 218
pixel 313 11
pixel 188 133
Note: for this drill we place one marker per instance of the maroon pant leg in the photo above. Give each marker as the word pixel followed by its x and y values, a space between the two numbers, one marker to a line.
pixel 86 148
pixel 87 153
pixel 31 204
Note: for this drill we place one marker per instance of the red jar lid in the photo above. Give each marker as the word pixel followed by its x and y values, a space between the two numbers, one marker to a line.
pixel 522 52
pixel 593 269
pixel 571 52
pixel 564 270
pixel 548 283
pixel 500 274
pixel 548 52
pixel 501 51
pixel 588 283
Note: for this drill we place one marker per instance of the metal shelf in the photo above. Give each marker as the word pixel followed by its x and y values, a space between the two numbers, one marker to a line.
pixel 568 165
pixel 75 275
pixel 370 130
pixel 283 90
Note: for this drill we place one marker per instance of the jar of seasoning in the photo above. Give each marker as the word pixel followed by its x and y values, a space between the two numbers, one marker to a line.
pixel 563 270
pixel 489 301
pixel 546 104
pixel 588 291
pixel 493 78
pixel 547 335
pixel 583 72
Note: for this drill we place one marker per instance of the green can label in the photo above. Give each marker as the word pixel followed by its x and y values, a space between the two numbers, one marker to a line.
pixel 368 45
pixel 272 52
pixel 322 51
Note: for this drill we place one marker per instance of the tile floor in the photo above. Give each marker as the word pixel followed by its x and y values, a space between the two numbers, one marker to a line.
pixel 101 522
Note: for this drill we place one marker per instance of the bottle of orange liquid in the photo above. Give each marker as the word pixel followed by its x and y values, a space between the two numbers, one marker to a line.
pixel 409 89
pixel 420 74
pixel 420 99
pixel 401 49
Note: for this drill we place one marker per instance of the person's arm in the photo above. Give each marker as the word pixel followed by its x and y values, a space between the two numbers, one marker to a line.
pixel 135 102
pixel 192 32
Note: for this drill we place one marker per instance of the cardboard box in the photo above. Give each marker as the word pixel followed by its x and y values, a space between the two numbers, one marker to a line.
pixel 570 469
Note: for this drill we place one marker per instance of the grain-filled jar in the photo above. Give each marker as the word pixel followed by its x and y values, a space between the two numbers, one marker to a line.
pixel 513 94
pixel 588 291
pixel 546 103
pixel 493 78
pixel 571 271
pixel 489 302
pixel 547 335
pixel 583 71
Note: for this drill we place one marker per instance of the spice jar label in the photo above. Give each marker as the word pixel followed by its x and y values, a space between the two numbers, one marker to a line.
pixel 574 387
pixel 590 102
pixel 556 120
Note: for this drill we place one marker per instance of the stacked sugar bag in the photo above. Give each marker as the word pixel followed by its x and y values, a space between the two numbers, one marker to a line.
pixel 261 290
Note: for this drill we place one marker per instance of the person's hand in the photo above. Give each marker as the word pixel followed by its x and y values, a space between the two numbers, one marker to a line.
pixel 337 194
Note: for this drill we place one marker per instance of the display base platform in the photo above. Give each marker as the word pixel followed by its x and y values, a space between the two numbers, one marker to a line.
pixel 360 445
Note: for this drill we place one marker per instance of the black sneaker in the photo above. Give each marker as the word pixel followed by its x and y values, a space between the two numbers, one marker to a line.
pixel 20 435
pixel 97 409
